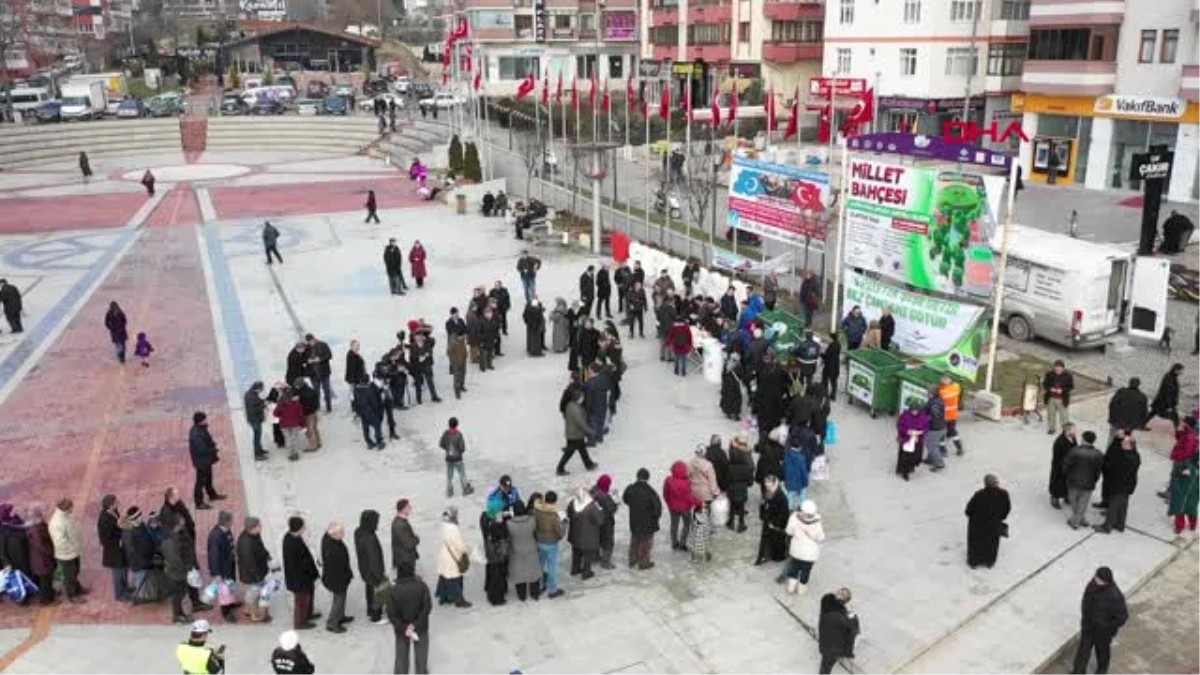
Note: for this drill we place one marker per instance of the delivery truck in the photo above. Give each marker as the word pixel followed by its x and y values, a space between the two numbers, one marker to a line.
pixel 83 101
pixel 1078 293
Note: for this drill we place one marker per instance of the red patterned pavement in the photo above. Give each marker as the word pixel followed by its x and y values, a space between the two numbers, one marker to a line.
pixel 27 215
pixel 307 198
pixel 81 425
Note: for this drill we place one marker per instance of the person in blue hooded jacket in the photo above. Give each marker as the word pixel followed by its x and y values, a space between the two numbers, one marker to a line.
pixel 854 326
pixel 503 497
pixel 796 462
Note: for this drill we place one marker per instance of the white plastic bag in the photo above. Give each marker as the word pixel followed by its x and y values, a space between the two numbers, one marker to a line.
pixel 720 509
pixel 209 595
pixel 820 468
pixel 194 579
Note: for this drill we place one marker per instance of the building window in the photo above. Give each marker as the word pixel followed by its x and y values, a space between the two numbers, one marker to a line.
pixel 912 11
pixel 796 31
pixel 1006 59
pixel 744 31
pixel 664 35
pixel 1073 44
pixel 965 10
pixel 585 66
pixel 616 67
pixel 843 61
pixel 1146 51
pixel 562 21
pixel 517 67
pixel 523 25
pixel 846 11
pixel 908 61
pixel 1014 10
pixel 1170 45
pixel 708 34
pixel 962 61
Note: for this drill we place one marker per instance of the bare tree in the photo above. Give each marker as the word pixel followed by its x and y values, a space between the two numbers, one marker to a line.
pixel 14 19
pixel 531 148
pixel 700 187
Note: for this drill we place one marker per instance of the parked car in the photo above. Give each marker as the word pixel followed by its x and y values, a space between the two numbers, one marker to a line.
pixel 50 111
pixel 164 106
pixel 420 90
pixel 344 90
pixel 375 87
pixel 266 105
pixel 308 106
pixel 401 83
pixel 442 100
pixel 368 104
pixel 131 108
pixel 335 105
pixel 286 81
pixel 232 103
pixel 316 89
pixel 113 107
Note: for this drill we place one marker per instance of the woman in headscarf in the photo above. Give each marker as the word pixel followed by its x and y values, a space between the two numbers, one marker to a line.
pixel 1184 491
pixel 731 388
pixel 497 549
pixel 41 555
pixel 772 542
pixel 449 561
pixel 585 522
pixel 1166 401
pixel 535 328
pixel 560 327
pixel 115 322
pixel 910 437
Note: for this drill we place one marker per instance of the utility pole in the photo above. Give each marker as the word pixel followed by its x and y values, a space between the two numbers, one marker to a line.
pixel 974 60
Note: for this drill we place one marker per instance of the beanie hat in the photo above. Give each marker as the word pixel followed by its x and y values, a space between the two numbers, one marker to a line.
pixel 295 524
pixel 289 640
pixel 643 474
pixel 1104 574
pixel 604 483
pixel 198 417
pixel 133 514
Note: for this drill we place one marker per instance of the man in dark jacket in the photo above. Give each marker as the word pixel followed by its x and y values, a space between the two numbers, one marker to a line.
pixel 645 512
pixel 1058 478
pixel 108 528
pixel 289 658
pixel 300 574
pixel 222 558
pixel 623 278
pixel 270 237
pixel 319 360
pixel 887 328
pixel 140 548
pixel 1103 612
pixel 603 292
pixel 587 290
pixel 837 629
pixel 1127 408
pixel 370 562
pixel 203 450
pixel 1056 395
pixel 1082 468
pixel 503 304
pixel 336 576
pixel 179 557
pixel 393 261
pixel 253 565
pixel 256 415
pixel 369 406
pixel 10 301
pixel 297 363
pixel 420 362
pixel 408 606
pixel 635 308
pixel 1120 470
pixel 310 404
pixel 404 539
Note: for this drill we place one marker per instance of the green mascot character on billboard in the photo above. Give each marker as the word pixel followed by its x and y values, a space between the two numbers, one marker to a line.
pixel 958 206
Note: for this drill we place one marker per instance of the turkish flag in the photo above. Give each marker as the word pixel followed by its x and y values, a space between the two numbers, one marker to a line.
pixel 592 92
pixel 558 93
pixel 864 109
pixel 527 86
pixel 716 108
pixel 643 104
pixel 772 119
pixel 546 90
pixel 664 105
pixel 733 103
pixel 793 124
pixel 460 31
pixel 629 91
pixel 607 102
pixel 478 79
pixel 575 94
pixel 823 127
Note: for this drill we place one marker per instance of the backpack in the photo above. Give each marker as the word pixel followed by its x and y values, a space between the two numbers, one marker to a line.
pixel 809 351
pixel 681 339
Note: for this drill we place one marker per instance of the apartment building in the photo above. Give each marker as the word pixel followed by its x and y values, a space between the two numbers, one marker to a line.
pixel 930 61
pixel 44 30
pixel 574 38
pixel 1105 80
pixel 777 41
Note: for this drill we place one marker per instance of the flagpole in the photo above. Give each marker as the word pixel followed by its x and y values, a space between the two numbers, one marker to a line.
pixel 487 130
pixel 646 203
pixel 667 181
pixel 549 127
pixel 624 154
pixel 537 131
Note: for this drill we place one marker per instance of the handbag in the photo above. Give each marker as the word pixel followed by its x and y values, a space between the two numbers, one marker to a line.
pixel 720 509
pixel 830 433
pixel 463 561
pixel 226 595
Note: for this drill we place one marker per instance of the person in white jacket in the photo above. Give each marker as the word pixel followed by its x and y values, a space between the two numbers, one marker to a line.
pixel 453 549
pixel 68 547
pixel 804 527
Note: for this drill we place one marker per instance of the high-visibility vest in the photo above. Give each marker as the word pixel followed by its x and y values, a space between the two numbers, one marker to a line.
pixel 950 394
pixel 193 659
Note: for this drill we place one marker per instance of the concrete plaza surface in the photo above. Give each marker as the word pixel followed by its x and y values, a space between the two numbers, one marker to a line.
pixel 900 546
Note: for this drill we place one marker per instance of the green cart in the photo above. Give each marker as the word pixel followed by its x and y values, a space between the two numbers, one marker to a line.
pixel 873 379
pixel 916 383
pixel 790 333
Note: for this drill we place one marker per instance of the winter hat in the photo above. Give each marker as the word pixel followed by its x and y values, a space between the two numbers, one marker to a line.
pixel 450 515
pixel 289 640
pixel 133 514
pixel 250 523
pixel 643 474
pixel 506 481
pixel 1105 574
pixel 701 449
pixel 414 325
pixel 295 524
pixel 808 507
pixel 198 418
pixel 604 483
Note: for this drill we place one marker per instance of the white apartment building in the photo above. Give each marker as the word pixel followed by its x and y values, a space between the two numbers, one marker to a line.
pixel 1105 80
pixel 930 60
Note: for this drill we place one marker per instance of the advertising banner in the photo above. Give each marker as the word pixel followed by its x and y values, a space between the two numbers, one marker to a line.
pixel 731 262
pixel 944 333
pixel 860 383
pixel 780 202
pixel 924 227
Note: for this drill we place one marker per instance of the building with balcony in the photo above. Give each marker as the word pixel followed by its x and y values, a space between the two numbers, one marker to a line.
pixel 1105 80
pixel 43 30
pixel 574 38
pixel 930 62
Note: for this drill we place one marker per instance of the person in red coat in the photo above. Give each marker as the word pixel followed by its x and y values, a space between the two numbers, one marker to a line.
pixel 677 493
pixel 416 257
pixel 679 339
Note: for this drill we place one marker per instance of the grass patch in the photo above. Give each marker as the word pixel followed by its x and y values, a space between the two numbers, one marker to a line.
pixel 1013 374
pixel 138 88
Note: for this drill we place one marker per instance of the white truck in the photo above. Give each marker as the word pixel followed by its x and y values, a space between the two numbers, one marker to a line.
pixel 83 101
pixel 1078 293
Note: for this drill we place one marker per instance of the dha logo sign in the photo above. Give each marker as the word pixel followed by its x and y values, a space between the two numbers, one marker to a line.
pixel 971 133
pixel 1117 105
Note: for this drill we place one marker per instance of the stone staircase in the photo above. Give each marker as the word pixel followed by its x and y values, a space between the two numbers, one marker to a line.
pixel 39 144
pixel 335 135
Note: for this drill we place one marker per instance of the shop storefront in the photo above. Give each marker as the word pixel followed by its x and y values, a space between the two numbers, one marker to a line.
pixel 925 115
pixel 1091 141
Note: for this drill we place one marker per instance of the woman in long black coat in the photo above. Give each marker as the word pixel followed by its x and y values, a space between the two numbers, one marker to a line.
pixel 731 388
pixel 1058 478
pixel 496 548
pixel 774 512
pixel 1166 401
pixel 535 328
pixel 770 403
pixel 587 343
pixel 115 322
pixel 985 522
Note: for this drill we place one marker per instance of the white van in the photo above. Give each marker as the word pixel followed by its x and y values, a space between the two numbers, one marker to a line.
pixel 1078 293
pixel 27 99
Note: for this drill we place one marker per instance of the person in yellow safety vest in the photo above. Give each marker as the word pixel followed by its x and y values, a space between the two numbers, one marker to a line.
pixel 951 393
pixel 196 657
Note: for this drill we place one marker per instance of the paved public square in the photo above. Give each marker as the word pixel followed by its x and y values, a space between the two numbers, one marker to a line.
pixel 187 267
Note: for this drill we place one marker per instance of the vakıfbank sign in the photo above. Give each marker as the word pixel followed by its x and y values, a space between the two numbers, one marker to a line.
pixel 1118 105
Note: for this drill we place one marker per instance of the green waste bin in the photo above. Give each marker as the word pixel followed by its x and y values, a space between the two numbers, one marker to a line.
pixel 917 383
pixel 873 379
pixel 790 335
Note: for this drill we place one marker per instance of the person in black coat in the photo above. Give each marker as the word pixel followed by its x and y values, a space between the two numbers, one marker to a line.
pixel 587 342
pixel 356 366
pixel 369 406
pixel 831 365
pixel 256 415
pixel 1057 385
pixel 222 558
pixel 645 512
pixel 769 398
pixel 837 629
pixel 503 304
pixel 887 328
pixel 985 522
pixel 1166 400
pixel 297 363
pixel 371 567
pixel 716 455
pixel 336 576
pixel 300 574
pixel 1102 613
pixel 587 290
pixel 108 528
pixel 731 388
pixel 139 545
pixel 393 263
pixel 253 565
pixel 741 477
pixel 1127 409
pixel 203 450
pixel 623 278
pixel 1058 478
pixel 1120 471
pixel 409 605
pixel 535 328
pixel 603 292
pixel 372 206
pixel 774 513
